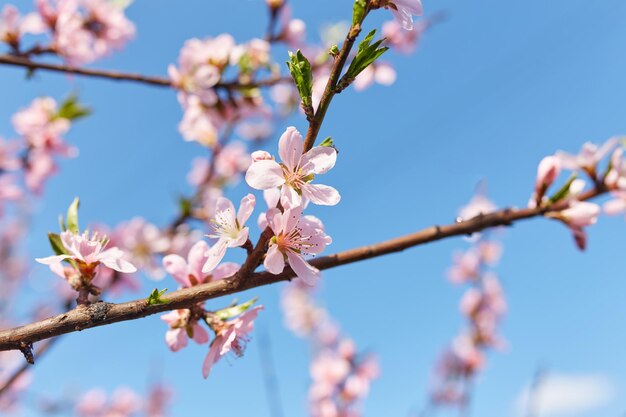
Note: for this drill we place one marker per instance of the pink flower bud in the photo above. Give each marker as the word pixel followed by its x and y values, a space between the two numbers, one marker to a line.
pixel 261 156
pixel 581 214
pixel 547 172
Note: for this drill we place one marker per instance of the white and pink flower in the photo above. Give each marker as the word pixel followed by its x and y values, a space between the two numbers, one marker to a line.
pixel 230 336
pixel 189 273
pixel 88 252
pixel 294 237
pixel 228 228
pixel 182 327
pixel 296 172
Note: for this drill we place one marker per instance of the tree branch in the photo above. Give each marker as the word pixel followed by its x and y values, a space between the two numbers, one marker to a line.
pixel 102 313
pixel 124 76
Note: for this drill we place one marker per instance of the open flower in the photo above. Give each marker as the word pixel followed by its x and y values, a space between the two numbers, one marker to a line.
pixel 294 237
pixel 189 273
pixel 182 327
pixel 228 228
pixel 588 158
pixel 296 172
pixel 231 335
pixel 88 252
pixel 13 25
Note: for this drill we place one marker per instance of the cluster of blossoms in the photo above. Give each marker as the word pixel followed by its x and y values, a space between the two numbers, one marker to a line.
pixel 568 204
pixel 483 305
pixel 31 158
pixel 79 31
pixel 122 402
pixel 341 378
pixel 202 64
pixel 231 326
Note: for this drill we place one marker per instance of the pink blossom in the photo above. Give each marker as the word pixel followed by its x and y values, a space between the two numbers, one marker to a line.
pixel 580 214
pixel 293 31
pixel 232 336
pixel 142 242
pixel 588 157
pixel 380 72
pixel 294 237
pixel 40 166
pixel 88 252
pixel 466 267
pixel 94 403
pixel 616 177
pixel 232 161
pixel 189 273
pixel 256 131
pixel 547 172
pixel 9 160
pixel 402 41
pixel 296 172
pixel 200 123
pixel 251 56
pixel 617 205
pixel 479 204
pixel 9 190
pixel 200 66
pixel 329 369
pixel 183 326
pixel 13 26
pixel 228 228
pixel 82 36
pixel 40 125
pixel 404 10
pixel 301 314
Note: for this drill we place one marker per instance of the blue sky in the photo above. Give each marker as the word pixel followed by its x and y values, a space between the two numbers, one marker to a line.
pixel 490 91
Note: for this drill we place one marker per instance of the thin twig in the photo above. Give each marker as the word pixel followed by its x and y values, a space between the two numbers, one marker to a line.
pixel 125 76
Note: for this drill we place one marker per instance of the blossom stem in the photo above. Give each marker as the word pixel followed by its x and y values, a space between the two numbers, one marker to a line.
pixel 330 90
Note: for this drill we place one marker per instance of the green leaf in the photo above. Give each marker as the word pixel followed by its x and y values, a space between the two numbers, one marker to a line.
pixel 328 142
pixel 235 310
pixel 358 11
pixel 155 297
pixel 72 217
pixel 564 191
pixel 57 244
pixel 71 109
pixel 300 69
pixel 185 206
pixel 367 53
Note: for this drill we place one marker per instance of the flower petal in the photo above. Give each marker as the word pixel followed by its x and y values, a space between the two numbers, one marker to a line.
pixel 274 260
pixel 200 335
pixel 323 195
pixel 214 255
pixel 176 266
pixel 319 160
pixel 290 147
pixel 246 208
pixel 265 174
pixel 176 339
pixel 50 260
pixel 197 258
pixel 305 271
